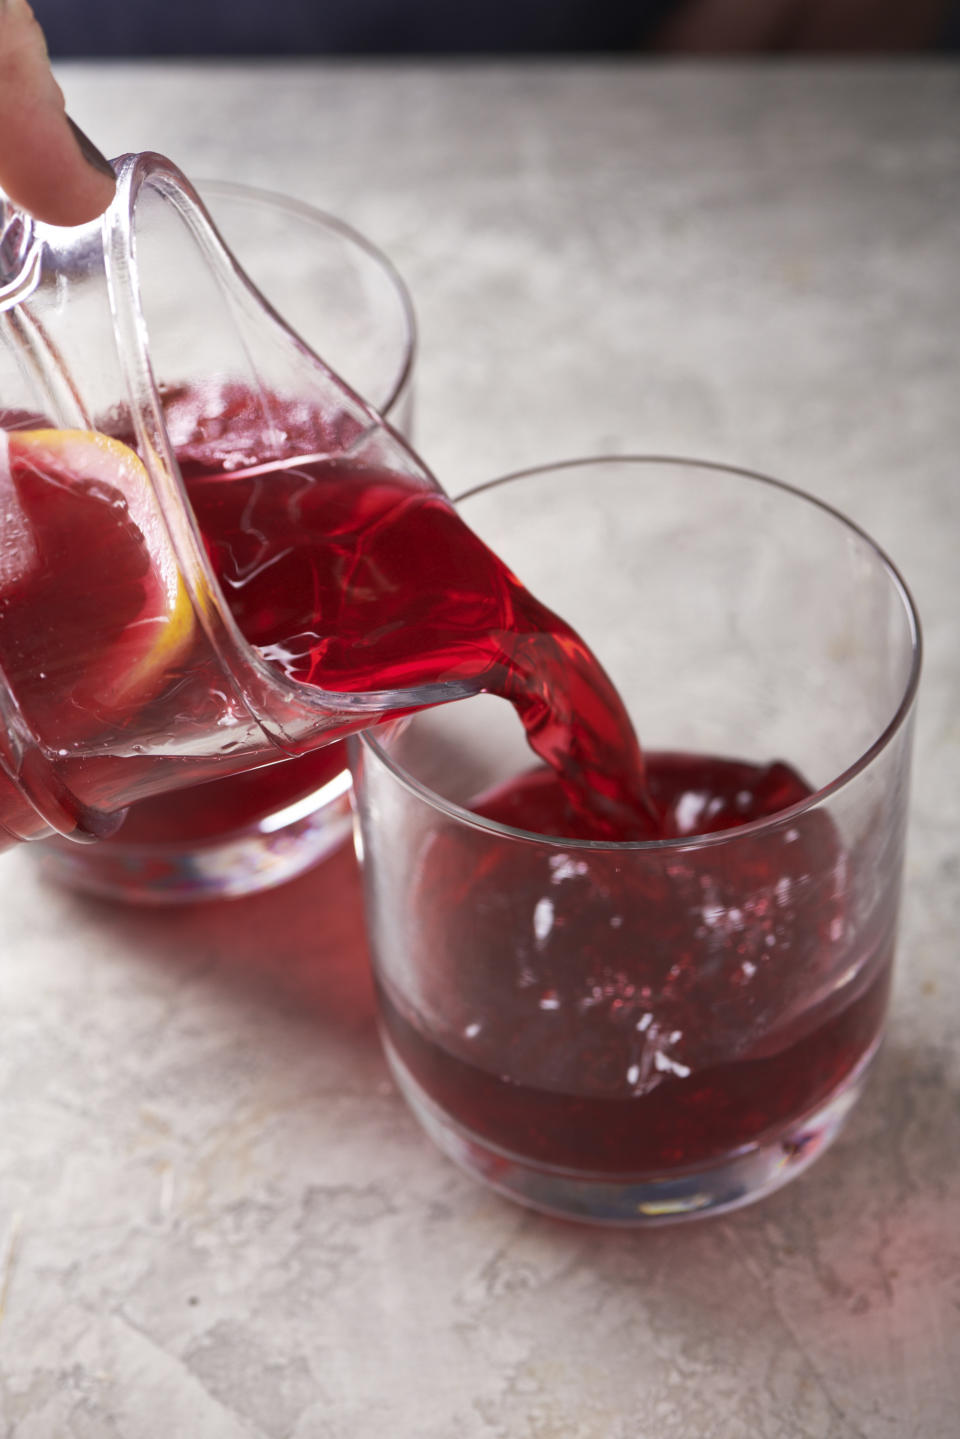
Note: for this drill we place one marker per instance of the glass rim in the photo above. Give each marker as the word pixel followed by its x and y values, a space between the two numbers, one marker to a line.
pixel 686 842
pixel 271 821
pixel 258 195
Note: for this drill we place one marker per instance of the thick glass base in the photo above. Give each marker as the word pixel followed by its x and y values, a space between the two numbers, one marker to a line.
pixel 270 851
pixel 630 1200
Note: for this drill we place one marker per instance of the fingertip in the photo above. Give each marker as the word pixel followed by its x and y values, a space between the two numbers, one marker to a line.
pixel 48 166
pixel 89 150
pixel 51 176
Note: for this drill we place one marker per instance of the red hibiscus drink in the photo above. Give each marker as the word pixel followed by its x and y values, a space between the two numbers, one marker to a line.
pixel 260 828
pixel 629 1026
pixel 624 985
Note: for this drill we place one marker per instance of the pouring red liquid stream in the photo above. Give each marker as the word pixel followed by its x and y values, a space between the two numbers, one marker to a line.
pixel 356 579
pixel 351 578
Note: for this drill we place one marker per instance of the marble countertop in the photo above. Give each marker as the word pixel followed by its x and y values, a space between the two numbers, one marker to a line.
pixel 216 1216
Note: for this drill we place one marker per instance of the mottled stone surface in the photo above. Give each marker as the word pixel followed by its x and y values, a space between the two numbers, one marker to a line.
pixel 216 1217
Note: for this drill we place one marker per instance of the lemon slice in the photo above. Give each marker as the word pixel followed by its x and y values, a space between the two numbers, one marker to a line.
pixel 62 468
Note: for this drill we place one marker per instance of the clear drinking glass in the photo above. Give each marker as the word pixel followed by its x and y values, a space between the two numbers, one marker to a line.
pixel 249 831
pixel 136 360
pixel 635 1033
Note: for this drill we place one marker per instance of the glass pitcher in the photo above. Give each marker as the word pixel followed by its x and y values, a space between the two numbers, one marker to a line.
pixel 140 330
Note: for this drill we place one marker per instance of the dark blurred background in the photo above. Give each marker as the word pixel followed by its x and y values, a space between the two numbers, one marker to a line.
pixel 90 28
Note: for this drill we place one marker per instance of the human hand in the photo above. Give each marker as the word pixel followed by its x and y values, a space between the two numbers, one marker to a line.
pixel 47 165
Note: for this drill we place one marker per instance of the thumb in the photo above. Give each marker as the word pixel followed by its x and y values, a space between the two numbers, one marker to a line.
pixel 47 165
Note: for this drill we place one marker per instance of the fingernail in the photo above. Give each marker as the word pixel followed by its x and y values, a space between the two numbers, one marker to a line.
pixel 90 152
